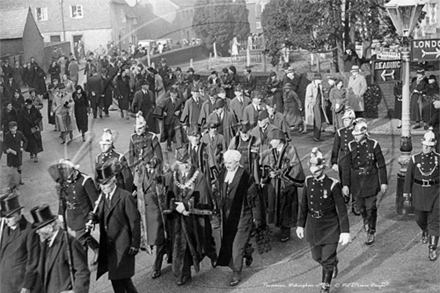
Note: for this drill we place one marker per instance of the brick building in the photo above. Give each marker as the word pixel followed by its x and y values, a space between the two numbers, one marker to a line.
pixel 20 37
pixel 94 22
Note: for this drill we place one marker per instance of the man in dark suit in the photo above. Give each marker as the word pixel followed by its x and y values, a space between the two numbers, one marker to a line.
pixel 251 111
pixel 249 82
pixel 19 248
pixel 240 206
pixel 192 109
pixel 11 86
pixel 171 111
pixel 227 121
pixel 119 228
pixel 53 264
pixel 144 101
pixel 95 88
pixel 195 147
pixel 323 215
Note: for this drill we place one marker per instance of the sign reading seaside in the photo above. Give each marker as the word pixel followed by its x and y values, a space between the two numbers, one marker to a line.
pixel 387 71
pixel 425 50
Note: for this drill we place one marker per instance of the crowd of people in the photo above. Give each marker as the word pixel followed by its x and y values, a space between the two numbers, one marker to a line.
pixel 237 170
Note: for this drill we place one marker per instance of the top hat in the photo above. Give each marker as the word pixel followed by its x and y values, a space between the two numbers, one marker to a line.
pixel 2 204
pixel 182 155
pixel 42 216
pixel 107 171
pixel 10 204
pixel 276 134
pixel 270 101
pixel 317 76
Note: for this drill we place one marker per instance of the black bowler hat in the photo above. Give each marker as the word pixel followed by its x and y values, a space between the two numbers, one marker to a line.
pixel 276 134
pixel 107 171
pixel 219 103
pixel 42 216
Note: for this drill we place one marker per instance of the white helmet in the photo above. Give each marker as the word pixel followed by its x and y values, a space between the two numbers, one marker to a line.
pixel 348 114
pixel 107 137
pixel 360 126
pixel 316 157
pixel 429 138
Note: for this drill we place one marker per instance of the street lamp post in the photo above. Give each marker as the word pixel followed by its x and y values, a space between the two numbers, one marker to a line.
pixel 404 15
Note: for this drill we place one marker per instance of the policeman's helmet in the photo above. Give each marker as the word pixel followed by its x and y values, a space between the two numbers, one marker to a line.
pixel 66 169
pixel 360 126
pixel 348 114
pixel 107 137
pixel 429 138
pixel 316 158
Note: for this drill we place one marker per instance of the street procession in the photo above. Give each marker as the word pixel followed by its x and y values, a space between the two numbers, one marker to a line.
pixel 183 149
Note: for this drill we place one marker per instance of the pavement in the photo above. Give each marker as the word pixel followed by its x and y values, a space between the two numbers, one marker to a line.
pixel 397 262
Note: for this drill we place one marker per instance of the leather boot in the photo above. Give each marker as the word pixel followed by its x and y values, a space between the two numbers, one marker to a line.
pixel 248 254
pixel 335 269
pixel 433 242
pixel 326 280
pixel 425 236
pixel 94 261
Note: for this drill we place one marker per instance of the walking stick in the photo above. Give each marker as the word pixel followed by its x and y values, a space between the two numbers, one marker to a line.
pixel 66 236
pixel 90 224
pixel 2 226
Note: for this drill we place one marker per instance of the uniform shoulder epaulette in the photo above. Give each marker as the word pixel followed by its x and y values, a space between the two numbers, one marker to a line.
pixel 349 145
pixel 86 177
pixel 307 179
pixel 339 131
pixel 436 153
pixel 334 182
pixel 374 142
pixel 119 154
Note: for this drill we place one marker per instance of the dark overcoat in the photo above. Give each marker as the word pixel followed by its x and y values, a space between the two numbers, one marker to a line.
pixel 30 119
pixel 145 103
pixel 19 258
pixel 14 143
pixel 81 110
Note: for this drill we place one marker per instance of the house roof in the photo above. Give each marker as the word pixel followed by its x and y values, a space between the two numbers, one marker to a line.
pixel 12 23
pixel 184 3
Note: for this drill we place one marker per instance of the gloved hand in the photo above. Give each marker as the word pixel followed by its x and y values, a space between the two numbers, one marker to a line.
pixel 345 191
pixel 133 251
pixel 335 167
pixel 180 207
pixel 344 238
pixel 407 200
pixel 383 188
pixel 92 217
pixel 300 232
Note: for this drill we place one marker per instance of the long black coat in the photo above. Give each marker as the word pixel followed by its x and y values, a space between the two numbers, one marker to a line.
pixel 120 229
pixel 14 143
pixel 145 103
pixel 19 258
pixel 39 81
pixel 123 92
pixel 81 109
pixel 32 118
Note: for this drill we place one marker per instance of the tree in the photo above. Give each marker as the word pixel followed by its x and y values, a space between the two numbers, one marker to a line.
pixel 219 21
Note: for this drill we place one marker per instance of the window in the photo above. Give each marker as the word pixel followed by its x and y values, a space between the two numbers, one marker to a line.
pixel 56 38
pixel 76 11
pixel 258 25
pixel 41 13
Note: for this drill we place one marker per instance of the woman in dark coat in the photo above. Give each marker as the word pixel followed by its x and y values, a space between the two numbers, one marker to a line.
pixel 8 114
pixel 39 81
pixel 81 110
pixel 123 93
pixel 274 88
pixel 54 71
pixel 18 104
pixel 30 120
pixel 418 87
pixel 49 97
pixel 108 91
pixel 231 81
pixel 432 94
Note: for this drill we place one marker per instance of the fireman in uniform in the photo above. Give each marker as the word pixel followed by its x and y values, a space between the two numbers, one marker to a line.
pixel 124 179
pixel 422 188
pixel 323 216
pixel 364 174
pixel 343 137
pixel 80 195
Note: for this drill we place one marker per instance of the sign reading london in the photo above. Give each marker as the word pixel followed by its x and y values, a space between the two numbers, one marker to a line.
pixel 387 71
pixel 425 50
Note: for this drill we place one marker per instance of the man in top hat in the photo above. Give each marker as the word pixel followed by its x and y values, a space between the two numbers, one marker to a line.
pixel 144 101
pixel 55 268
pixel 240 207
pixel 356 88
pixel 124 179
pixel 276 118
pixel 282 173
pixel 239 102
pixel 262 130
pixel 79 193
pixel 172 107
pixel 364 174
pixel 314 106
pixel 323 216
pixel 340 149
pixel 141 143
pixel 418 88
pixel 422 188
pixel 19 248
pixel 214 147
pixel 192 109
pixel 120 231
pixel 190 204
pixel 251 112
pixel 247 145
pixel 208 106
pixel 226 120
pixel 249 81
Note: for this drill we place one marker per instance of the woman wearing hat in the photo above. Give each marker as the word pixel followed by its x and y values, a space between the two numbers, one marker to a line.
pixel 189 202
pixel 274 88
pixel 231 80
pixel 63 108
pixel 292 107
pixel 432 94
pixel 422 190
pixel 338 98
pixel 81 110
pixel 30 122
pixel 418 88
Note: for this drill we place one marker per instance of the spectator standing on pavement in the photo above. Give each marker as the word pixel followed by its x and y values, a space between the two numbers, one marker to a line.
pixel 30 121
pixel 323 218
pixel 63 106
pixel 364 174
pixel 422 190
pixel 18 73
pixel 14 144
pixel 338 99
pixel 314 106
pixel 357 86
pixel 54 71
pixel 350 58
pixel 82 110
pixel 418 88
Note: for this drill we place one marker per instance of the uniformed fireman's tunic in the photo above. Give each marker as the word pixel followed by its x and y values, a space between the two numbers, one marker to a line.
pixel 340 147
pixel 422 181
pixel 141 146
pixel 323 214
pixel 81 195
pixel 363 172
